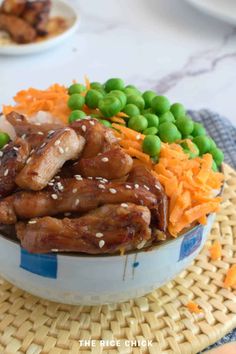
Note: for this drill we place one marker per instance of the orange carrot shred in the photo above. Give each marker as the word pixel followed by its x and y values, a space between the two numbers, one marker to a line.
pixel 230 279
pixel 193 307
pixel 117 120
pixel 215 250
pixel 87 82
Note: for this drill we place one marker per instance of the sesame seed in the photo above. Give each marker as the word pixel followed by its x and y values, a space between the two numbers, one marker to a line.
pixel 60 186
pixel 23 136
pixel 102 181
pixel 105 180
pixel 112 190
pixel 91 122
pixel 77 202
pixel 138 136
pixel 105 159
pixel 136 186
pixel 67 214
pixel 67 149
pixel 32 222
pixel 51 132
pixel 57 177
pixel 32 151
pixel 15 148
pixel 52 180
pixel 78 177
pixel 128 187
pixel 54 196
pixel 57 142
pixel 101 243
pixel 67 129
pixel 1 153
pixel 54 250
pixel 98 178
pixel 6 172
pixel 101 186
pixel 84 128
pixel 43 145
pixel 50 184
pixel 141 244
pixel 29 159
pixel 40 133
pixel 124 205
pixel 61 150
pixel 37 123
pixel 74 190
pixel 157 187
pixel 99 234
pixel 90 177
pixel 147 188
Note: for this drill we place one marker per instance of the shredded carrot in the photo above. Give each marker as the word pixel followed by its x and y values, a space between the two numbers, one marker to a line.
pixel 126 144
pixel 230 279
pixel 129 133
pixel 193 307
pixel 87 82
pixel 215 250
pixel 122 115
pixel 139 155
pixel 117 120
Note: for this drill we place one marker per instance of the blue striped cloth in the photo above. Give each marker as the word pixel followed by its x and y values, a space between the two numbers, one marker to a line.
pixel 224 134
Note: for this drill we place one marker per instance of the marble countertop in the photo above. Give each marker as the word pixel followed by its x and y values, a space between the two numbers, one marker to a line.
pixel 165 45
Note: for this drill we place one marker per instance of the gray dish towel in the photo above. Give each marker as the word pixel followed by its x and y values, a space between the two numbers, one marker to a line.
pixel 224 134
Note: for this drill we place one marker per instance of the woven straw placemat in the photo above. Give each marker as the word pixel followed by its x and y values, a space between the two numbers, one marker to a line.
pixel 31 325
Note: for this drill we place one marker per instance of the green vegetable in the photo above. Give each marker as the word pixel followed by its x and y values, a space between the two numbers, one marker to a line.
pixel 76 88
pixel 214 166
pixel 217 155
pixel 4 139
pixel 189 152
pixel 198 129
pixel 121 96
pixel 189 137
pixel 76 101
pixel 105 122
pixel 109 106
pixel 148 97
pixel 114 84
pixel 160 104
pixel 136 100
pixel 203 143
pixel 185 125
pixel 95 115
pixel 138 123
pixel 75 115
pixel 169 133
pixel 166 117
pixel 131 110
pixel 131 91
pixel 97 86
pixel 153 120
pixel 151 145
pixel 213 144
pixel 92 98
pixel 150 131
pixel 178 110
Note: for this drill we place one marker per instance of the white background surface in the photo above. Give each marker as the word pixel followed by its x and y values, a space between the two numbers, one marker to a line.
pixel 156 44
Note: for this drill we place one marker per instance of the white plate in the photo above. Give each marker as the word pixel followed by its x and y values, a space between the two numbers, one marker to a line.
pixel 222 9
pixel 60 8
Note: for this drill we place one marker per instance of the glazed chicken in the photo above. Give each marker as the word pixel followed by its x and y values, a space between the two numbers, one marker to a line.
pixel 36 13
pixel 72 195
pixel 49 172
pixel 19 30
pixel 13 7
pixel 103 230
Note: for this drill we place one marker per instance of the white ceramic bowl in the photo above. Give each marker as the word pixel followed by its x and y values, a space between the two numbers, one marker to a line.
pixel 93 280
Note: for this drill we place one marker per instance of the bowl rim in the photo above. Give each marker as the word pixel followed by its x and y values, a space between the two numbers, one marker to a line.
pixel 150 248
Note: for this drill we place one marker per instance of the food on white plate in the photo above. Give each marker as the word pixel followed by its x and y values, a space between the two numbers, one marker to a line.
pixel 103 168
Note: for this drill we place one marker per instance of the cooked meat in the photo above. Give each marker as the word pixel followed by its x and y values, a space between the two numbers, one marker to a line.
pixel 13 7
pixel 104 230
pixel 72 195
pixel 98 138
pixel 111 164
pixel 33 133
pixel 19 30
pixel 61 145
pixel 36 13
pixel 141 175
pixel 12 159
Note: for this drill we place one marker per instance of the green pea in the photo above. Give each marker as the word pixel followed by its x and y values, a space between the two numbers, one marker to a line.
pixel 138 123
pixel 131 110
pixel 76 101
pixel 76 88
pixel 189 137
pixel 75 115
pixel 160 104
pixel 114 84
pixel 134 88
pixel 217 155
pixel 178 110
pixel 109 106
pixel 97 86
pixel 198 129
pixel 105 122
pixel 213 144
pixel 131 91
pixel 95 115
pixel 185 125
pixel 136 100
pixel 92 98
pixel 148 97
pixel 168 132
pixel 150 131
pixel 153 120
pixel 214 166
pixel 203 143
pixel 121 96
pixel 147 110
pixel 4 139
pixel 166 117
pixel 191 154
pixel 152 145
